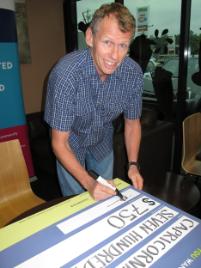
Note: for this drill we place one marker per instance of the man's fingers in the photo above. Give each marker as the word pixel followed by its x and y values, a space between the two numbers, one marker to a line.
pixel 137 181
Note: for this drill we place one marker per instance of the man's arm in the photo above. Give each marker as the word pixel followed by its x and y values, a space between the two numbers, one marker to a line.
pixel 132 134
pixel 68 159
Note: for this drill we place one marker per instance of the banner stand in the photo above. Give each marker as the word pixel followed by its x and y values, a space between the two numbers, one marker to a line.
pixel 12 114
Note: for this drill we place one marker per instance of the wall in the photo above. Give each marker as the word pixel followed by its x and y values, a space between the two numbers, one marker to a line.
pixel 47 45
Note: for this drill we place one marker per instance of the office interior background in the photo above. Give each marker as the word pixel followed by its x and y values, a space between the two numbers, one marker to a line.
pixel 53 31
pixel 174 31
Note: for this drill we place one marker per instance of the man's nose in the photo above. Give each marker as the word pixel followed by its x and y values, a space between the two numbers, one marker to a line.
pixel 115 52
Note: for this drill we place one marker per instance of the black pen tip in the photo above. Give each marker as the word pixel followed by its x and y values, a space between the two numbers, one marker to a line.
pixel 119 194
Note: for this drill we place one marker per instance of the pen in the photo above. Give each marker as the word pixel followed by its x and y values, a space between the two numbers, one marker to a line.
pixel 107 184
pixel 120 195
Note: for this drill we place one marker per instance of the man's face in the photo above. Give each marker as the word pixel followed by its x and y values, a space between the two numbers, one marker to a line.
pixel 109 46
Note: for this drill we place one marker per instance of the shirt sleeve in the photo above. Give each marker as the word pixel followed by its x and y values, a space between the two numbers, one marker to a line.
pixel 134 104
pixel 59 107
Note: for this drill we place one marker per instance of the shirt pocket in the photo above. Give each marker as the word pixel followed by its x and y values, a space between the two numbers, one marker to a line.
pixel 84 113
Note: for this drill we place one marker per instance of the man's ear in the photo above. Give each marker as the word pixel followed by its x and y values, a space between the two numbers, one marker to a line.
pixel 89 37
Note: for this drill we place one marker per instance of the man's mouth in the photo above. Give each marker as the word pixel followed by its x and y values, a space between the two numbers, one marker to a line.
pixel 110 64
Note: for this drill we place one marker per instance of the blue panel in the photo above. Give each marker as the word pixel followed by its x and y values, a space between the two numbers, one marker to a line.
pixel 11 101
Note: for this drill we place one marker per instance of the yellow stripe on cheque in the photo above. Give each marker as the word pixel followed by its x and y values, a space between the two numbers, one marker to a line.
pixel 26 227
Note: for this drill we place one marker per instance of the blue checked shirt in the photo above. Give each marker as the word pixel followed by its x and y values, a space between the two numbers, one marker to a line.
pixel 79 102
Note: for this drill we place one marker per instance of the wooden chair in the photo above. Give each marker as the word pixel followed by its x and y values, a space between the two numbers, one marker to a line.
pixel 192 144
pixel 16 195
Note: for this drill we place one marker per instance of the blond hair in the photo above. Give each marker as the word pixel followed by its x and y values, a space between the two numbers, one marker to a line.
pixel 125 19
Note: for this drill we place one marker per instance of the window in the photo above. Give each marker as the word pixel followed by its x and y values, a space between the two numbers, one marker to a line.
pixel 85 10
pixel 160 23
pixel 193 78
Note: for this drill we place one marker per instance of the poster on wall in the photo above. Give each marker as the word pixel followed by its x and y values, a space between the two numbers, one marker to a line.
pixel 12 115
pixel 142 19
pixel 22 32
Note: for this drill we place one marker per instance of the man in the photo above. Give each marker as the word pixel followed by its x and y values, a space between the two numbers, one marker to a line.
pixel 87 90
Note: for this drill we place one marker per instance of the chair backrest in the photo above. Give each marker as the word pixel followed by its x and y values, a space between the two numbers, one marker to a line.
pixel 14 177
pixel 191 140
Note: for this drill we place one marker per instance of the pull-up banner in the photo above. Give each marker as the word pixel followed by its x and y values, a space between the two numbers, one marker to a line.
pixel 12 115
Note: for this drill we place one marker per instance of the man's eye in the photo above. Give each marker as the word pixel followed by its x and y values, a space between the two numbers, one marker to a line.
pixel 124 46
pixel 107 42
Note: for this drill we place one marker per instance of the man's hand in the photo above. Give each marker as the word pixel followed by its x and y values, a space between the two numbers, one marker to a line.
pixel 136 178
pixel 99 191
